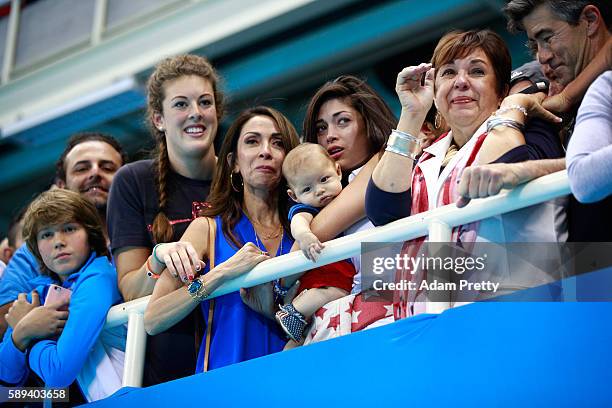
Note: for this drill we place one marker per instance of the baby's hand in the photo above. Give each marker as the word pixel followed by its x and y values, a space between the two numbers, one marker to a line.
pixel 310 245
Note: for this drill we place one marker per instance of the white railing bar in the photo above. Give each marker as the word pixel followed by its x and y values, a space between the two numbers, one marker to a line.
pixel 537 191
pixel 135 348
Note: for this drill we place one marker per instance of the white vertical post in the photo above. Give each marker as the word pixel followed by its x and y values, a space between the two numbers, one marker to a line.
pixel 135 348
pixel 99 21
pixel 11 41
pixel 439 232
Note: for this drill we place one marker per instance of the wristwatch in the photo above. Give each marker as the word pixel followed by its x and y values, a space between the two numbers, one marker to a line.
pixel 197 289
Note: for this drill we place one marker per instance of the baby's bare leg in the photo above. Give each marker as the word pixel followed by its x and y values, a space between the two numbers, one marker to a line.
pixel 292 344
pixel 311 300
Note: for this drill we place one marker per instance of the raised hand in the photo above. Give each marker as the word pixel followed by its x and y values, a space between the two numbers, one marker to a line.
pixel 414 96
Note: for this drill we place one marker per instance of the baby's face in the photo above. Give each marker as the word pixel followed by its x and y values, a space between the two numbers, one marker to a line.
pixel 317 184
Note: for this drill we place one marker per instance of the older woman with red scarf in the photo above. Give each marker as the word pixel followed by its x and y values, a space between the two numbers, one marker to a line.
pixel 468 79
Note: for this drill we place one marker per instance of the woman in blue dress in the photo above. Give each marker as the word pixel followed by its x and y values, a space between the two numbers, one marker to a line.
pixel 249 206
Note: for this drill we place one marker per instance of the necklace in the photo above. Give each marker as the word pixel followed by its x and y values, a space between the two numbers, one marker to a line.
pixel 264 235
pixel 282 235
pixel 270 236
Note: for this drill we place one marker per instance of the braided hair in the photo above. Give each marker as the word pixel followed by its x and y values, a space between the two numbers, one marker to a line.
pixel 170 69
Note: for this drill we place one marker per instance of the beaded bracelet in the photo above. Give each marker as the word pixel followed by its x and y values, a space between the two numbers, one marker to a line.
pixel 505 109
pixel 403 143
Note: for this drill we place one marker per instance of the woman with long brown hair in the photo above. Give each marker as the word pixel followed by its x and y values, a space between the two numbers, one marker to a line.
pixel 351 122
pixel 245 225
pixel 153 201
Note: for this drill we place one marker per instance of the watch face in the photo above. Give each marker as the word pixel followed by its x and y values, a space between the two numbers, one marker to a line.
pixel 194 286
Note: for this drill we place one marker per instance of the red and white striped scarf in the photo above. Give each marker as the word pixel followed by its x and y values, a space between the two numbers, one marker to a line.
pixel 446 183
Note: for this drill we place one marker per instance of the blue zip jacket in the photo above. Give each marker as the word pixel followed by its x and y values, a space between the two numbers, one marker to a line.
pixel 19 275
pixel 58 362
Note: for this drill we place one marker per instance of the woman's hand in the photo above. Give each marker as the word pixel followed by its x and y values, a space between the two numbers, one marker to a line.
pixel 260 298
pixel 486 181
pixel 40 323
pixel 532 103
pixel 560 102
pixel 243 261
pixel 413 96
pixel 181 259
pixel 21 307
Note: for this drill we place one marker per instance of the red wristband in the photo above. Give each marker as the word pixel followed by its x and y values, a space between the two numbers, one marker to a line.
pixel 150 273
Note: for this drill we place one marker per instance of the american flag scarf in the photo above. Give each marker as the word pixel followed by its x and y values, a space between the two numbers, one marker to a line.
pixel 405 302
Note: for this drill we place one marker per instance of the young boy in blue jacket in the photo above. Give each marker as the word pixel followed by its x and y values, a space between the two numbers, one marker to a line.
pixel 64 232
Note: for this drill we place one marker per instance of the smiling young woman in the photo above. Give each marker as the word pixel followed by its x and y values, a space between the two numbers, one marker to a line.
pixel 153 201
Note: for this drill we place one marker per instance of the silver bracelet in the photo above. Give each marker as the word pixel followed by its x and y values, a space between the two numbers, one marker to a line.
pixel 505 109
pixel 404 144
pixel 495 121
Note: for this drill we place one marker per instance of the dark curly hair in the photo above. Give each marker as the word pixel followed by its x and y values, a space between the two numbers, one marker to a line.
pixel 377 116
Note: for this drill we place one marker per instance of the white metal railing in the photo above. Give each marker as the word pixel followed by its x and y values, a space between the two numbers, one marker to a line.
pixel 436 223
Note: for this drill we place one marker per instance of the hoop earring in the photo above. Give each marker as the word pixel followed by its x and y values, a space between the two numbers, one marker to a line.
pixel 232 182
pixel 437 121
